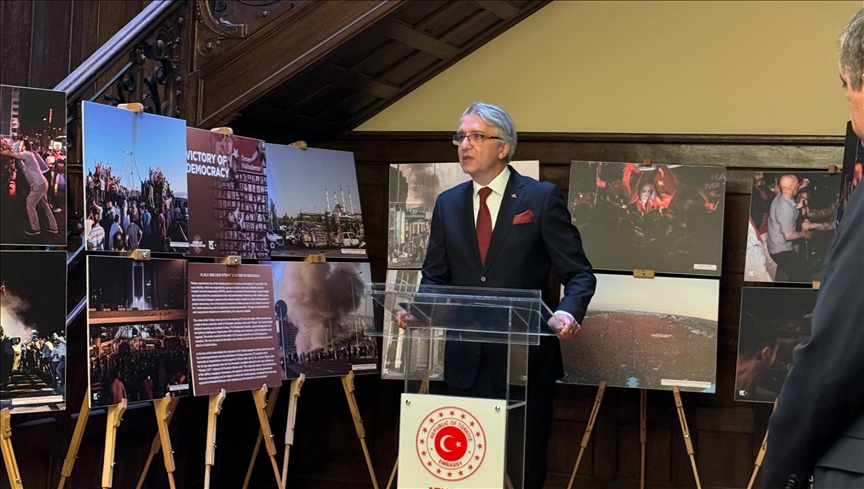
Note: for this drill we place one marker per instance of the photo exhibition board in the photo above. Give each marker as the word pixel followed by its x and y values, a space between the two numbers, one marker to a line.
pixel 773 321
pixel 792 220
pixel 666 218
pixel 32 331
pixel 135 185
pixel 314 203
pixel 414 187
pixel 228 208
pixel 232 325
pixel 32 167
pixel 853 169
pixel 647 334
pixel 137 329
pixel 427 350
pixel 323 315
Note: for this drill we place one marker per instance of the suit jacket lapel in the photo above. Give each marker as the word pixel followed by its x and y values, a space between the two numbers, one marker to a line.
pixel 466 217
pixel 504 221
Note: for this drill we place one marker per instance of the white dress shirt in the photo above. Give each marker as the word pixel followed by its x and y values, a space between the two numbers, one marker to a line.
pixel 493 201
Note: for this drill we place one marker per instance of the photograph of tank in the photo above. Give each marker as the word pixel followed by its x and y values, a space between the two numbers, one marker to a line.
pixel 314 203
pixel 322 315
pixel 32 166
pixel 135 184
pixel 647 334
pixel 666 218
pixel 773 322
pixel 793 216
pixel 137 323
pixel 32 331
pixel 414 187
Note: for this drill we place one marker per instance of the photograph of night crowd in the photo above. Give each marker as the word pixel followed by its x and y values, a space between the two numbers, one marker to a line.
pixel 414 187
pixel 137 323
pixel 853 169
pixel 322 314
pixel 665 218
pixel 793 216
pixel 32 166
pixel 636 334
pixel 318 213
pixel 134 180
pixel 32 331
pixel 773 322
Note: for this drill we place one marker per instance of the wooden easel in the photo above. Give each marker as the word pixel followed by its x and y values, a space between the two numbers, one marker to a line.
pixel 8 451
pixel 348 386
pixel 643 433
pixel 271 405
pixel 213 410
pixel 157 444
pixel 598 399
pixel 424 389
pixel 761 455
pixel 260 396
pixel 75 444
pixel 686 431
pixel 296 384
pixel 115 417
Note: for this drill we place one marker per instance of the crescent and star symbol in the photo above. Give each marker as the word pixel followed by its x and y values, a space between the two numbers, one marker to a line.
pixel 450 443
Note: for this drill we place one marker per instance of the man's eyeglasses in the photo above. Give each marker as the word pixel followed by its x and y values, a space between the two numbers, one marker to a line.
pixel 474 137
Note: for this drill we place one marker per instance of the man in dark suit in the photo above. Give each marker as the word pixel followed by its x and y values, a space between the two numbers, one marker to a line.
pixel 818 427
pixel 504 230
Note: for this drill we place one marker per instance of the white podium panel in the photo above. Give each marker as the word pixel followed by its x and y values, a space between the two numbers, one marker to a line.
pixel 452 442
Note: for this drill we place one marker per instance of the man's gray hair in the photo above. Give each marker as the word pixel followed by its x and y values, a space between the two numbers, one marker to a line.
pixel 852 50
pixel 498 119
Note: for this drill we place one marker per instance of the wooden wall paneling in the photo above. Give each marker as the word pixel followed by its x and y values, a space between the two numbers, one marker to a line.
pixel 15 23
pixel 51 43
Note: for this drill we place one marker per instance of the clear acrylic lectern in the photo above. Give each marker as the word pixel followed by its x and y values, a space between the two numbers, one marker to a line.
pixel 428 329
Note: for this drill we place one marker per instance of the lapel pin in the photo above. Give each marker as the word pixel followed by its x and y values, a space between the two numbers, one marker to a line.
pixel 512 196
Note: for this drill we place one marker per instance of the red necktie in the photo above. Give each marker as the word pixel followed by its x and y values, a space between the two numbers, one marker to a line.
pixel 484 225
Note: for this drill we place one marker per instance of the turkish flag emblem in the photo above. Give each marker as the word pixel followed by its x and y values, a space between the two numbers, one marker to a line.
pixel 451 443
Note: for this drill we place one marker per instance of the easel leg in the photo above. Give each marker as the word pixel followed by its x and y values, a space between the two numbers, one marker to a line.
pixel 264 419
pixel 424 389
pixel 164 411
pixel 759 457
pixel 686 431
pixel 348 385
pixel 156 446
pixel 75 444
pixel 643 433
pixel 296 384
pixel 115 417
pixel 271 405
pixel 8 451
pixel 213 410
pixel 598 399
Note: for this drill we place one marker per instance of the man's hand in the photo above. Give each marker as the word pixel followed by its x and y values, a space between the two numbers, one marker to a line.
pixel 405 320
pixel 564 326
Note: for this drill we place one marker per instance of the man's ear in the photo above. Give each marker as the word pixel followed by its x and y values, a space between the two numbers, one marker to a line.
pixel 503 149
pixel 765 353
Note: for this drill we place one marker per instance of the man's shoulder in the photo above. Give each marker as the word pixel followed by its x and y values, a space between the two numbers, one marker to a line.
pixel 452 194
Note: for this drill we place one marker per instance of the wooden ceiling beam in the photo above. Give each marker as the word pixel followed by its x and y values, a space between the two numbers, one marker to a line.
pixel 504 10
pixel 399 31
pixel 356 81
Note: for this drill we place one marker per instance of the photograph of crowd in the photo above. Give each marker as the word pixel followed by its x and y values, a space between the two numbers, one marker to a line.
pixel 666 218
pixel 792 220
pixel 32 166
pixel 32 331
pixel 643 334
pixel 138 362
pixel 137 329
pixel 773 322
pixel 427 347
pixel 228 189
pixel 318 212
pixel 853 169
pixel 134 180
pixel 322 314
pixel 414 187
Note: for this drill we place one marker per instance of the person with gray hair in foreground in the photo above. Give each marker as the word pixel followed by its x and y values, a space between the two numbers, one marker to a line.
pixel 818 427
